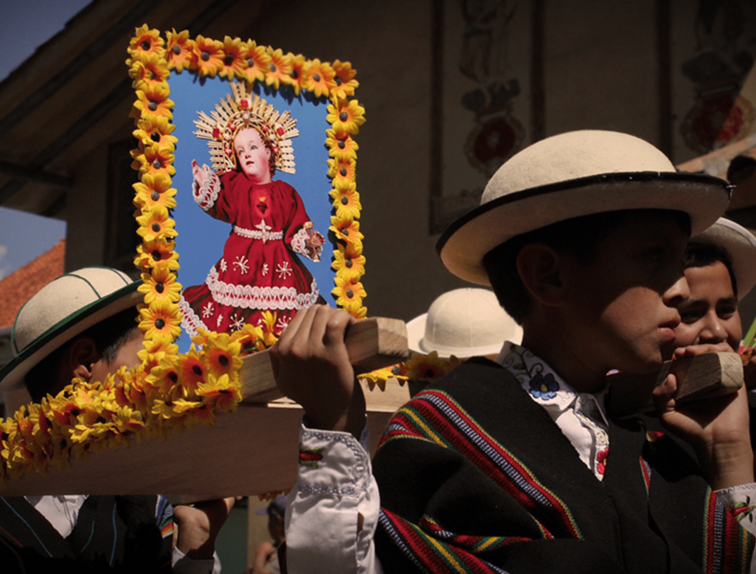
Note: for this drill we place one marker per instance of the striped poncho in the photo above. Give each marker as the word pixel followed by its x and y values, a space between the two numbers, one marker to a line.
pixel 475 477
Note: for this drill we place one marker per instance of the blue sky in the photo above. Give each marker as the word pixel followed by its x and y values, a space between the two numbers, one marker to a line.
pixel 25 25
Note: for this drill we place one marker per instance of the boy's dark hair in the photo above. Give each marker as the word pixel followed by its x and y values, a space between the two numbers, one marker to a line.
pixel 108 336
pixel 705 254
pixel 578 238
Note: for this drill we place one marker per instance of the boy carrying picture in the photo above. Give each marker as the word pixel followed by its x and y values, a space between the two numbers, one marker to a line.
pixel 514 465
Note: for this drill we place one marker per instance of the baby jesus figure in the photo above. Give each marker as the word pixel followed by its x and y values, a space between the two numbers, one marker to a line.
pixel 260 269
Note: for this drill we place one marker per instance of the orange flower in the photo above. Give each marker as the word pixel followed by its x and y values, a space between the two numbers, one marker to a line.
pixel 318 78
pixel 348 291
pixel 347 230
pixel 155 222
pixel 148 72
pixel 165 375
pixel 208 56
pixel 234 59
pixel 344 79
pixel 145 43
pixel 341 147
pixel 153 101
pixel 296 75
pixel 279 68
pixel 192 369
pixel 179 50
pixel 341 169
pixel 160 321
pixel 155 130
pixel 346 200
pixel 160 284
pixel 258 62
pixel 155 188
pixel 346 118
pixel 219 392
pixel 155 159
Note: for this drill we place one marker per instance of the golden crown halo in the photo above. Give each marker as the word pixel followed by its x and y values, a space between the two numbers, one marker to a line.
pixel 237 111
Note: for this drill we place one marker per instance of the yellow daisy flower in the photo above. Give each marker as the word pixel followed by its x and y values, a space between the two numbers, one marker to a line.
pixel 149 72
pixel 279 68
pixel 154 222
pixel 153 160
pixel 346 118
pixel 347 230
pixel 341 147
pixel 145 43
pixel 161 320
pixel 234 59
pixel 429 367
pixel 219 392
pixel 344 78
pixel 155 189
pixel 348 291
pixel 347 262
pixel 207 56
pixel 155 130
pixel 319 78
pixel 222 356
pixel 296 74
pixel 342 169
pixel 179 50
pixel 355 308
pixel 346 200
pixel 153 101
pixel 156 253
pixel 258 62
pixel 160 284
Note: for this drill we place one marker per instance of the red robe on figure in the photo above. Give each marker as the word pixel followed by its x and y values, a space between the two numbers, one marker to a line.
pixel 260 270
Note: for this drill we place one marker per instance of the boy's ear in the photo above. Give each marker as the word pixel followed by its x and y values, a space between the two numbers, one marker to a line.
pixel 540 268
pixel 82 355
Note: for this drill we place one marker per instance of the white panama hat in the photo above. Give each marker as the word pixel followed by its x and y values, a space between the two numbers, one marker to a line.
pixel 571 175
pixel 740 245
pixel 463 322
pixel 62 309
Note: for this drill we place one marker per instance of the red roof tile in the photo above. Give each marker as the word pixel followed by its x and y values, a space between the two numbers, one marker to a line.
pixel 18 287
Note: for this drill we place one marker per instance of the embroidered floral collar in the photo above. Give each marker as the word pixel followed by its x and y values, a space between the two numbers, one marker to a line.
pixel 541 382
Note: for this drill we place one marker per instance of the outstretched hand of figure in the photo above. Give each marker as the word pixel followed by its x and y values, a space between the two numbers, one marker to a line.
pixel 717 428
pixel 314 244
pixel 312 367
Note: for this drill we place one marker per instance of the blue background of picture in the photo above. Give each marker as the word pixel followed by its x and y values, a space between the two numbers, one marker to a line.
pixel 202 237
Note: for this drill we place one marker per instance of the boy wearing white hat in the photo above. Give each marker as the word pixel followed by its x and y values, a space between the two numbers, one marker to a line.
pixel 83 324
pixel 516 466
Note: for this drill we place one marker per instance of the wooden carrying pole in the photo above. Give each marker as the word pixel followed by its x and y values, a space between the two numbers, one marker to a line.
pixel 701 376
pixel 251 451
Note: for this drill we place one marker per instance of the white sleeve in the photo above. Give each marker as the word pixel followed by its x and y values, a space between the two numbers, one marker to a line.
pixel 335 486
pixel 182 564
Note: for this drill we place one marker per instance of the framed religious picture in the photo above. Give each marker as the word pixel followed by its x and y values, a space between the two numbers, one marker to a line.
pixel 246 159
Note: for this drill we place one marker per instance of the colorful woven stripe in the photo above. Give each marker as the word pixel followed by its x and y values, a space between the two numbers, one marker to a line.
pixel 436 417
pixel 475 544
pixel 427 553
pixel 727 547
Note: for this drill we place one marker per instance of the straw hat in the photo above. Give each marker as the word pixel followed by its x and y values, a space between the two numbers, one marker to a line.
pixel 740 245
pixel 464 322
pixel 62 309
pixel 571 175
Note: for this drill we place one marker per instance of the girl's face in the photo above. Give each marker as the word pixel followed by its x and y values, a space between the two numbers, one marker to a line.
pixel 253 155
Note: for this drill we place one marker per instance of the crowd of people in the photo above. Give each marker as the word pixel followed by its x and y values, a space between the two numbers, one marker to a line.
pixel 590 254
